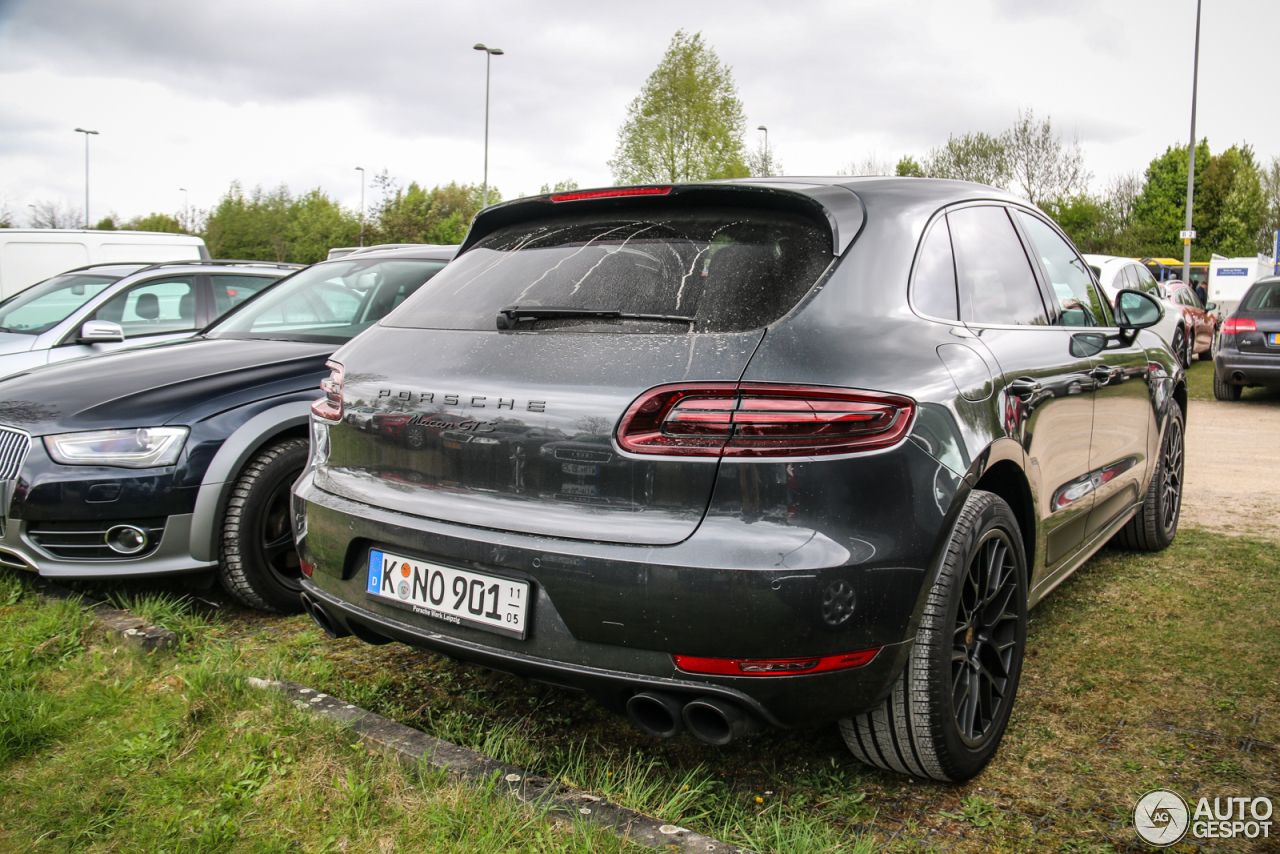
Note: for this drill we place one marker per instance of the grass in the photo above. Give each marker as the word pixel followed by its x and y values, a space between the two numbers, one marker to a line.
pixel 1143 671
pixel 105 750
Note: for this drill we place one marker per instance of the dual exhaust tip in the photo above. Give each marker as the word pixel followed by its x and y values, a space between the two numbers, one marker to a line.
pixel 709 719
pixel 657 713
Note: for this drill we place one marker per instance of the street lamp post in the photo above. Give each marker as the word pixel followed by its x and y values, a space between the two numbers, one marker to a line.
pixel 86 172
pixel 766 164
pixel 1191 159
pixel 360 169
pixel 489 53
pixel 186 208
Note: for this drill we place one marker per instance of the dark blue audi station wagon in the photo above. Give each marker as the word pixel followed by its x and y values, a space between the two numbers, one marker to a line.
pixel 768 452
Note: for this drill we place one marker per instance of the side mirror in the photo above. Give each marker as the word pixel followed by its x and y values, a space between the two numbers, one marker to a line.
pixel 1087 344
pixel 1136 310
pixel 100 332
pixel 1210 306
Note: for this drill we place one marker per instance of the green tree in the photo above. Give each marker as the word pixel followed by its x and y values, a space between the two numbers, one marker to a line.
pixel 316 224
pixel 416 215
pixel 153 222
pixel 1270 178
pixel 568 185
pixel 977 157
pixel 909 167
pixel 250 227
pixel 687 124
pixel 1159 212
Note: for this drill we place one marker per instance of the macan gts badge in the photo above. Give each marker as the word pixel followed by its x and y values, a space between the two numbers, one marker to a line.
pixel 768 452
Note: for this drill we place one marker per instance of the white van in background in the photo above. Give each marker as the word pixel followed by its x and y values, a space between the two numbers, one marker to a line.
pixel 30 255
pixel 1229 278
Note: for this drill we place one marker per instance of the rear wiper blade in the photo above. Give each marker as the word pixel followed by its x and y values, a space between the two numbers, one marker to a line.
pixel 511 315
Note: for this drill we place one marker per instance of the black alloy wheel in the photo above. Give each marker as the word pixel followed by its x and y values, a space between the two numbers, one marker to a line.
pixel 415 437
pixel 985 638
pixel 259 563
pixel 1155 525
pixel 947 712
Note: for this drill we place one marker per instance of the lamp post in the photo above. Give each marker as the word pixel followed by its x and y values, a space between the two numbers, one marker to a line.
pixel 766 163
pixel 1191 159
pixel 489 53
pixel 86 172
pixel 186 208
pixel 360 169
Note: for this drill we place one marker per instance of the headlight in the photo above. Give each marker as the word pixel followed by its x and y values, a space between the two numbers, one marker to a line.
pixel 143 448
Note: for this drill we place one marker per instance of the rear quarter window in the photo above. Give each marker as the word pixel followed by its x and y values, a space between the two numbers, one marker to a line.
pixel 722 269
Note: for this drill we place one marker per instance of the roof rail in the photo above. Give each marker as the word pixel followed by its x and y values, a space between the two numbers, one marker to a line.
pixel 220 262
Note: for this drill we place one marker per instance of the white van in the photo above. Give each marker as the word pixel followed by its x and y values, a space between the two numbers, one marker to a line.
pixel 1229 278
pixel 30 255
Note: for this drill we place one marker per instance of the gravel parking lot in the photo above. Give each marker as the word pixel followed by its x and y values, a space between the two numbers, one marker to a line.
pixel 1232 484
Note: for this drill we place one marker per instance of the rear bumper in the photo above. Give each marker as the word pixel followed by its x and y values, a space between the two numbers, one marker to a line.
pixel 1260 369
pixel 611 674
pixel 607 617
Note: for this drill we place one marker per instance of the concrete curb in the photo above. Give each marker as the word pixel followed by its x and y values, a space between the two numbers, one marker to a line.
pixel 130 630
pixel 414 749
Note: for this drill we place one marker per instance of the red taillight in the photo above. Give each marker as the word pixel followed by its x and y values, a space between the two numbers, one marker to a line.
pixel 1232 325
pixel 773 666
pixel 756 420
pixel 608 194
pixel 305 567
pixel 329 407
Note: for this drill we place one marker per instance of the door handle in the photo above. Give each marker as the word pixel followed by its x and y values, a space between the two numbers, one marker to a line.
pixel 1024 387
pixel 1103 373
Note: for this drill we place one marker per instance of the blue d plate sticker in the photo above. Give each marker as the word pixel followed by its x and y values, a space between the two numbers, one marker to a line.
pixel 375 571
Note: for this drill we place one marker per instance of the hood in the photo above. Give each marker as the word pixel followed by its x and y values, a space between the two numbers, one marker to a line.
pixel 172 382
pixel 15 342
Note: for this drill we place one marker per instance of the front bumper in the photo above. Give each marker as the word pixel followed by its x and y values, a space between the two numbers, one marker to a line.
pixel 20 550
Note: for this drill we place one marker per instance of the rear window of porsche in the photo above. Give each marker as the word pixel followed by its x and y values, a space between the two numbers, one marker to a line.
pixel 697 270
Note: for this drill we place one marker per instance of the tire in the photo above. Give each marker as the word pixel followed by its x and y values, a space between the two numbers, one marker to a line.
pixel 923 728
pixel 1182 347
pixel 1224 390
pixel 258 563
pixel 1155 525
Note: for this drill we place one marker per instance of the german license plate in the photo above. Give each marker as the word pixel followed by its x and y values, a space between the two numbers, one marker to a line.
pixel 579 468
pixel 579 489
pixel 455 596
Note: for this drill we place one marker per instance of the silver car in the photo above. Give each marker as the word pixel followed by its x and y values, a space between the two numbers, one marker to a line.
pixel 102 307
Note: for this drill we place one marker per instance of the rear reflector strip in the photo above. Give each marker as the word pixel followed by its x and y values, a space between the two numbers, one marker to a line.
pixel 757 420
pixel 773 666
pixel 608 194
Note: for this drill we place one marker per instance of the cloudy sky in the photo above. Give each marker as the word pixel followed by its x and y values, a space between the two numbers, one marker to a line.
pixel 273 92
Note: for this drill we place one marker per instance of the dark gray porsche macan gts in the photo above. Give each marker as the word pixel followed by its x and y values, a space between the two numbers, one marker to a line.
pixel 777 451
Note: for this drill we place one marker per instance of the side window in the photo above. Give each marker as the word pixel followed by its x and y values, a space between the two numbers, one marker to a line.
pixel 1145 281
pixel 230 291
pixel 934 286
pixel 1069 279
pixel 996 284
pixel 153 308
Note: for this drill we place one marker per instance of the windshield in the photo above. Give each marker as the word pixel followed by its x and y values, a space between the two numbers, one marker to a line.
pixel 41 307
pixel 330 302
pixel 705 269
pixel 1263 298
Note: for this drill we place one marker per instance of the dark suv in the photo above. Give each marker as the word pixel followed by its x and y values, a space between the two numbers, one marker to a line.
pixel 808 450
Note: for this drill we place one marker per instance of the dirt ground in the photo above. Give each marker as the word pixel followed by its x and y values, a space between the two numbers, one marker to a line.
pixel 1232 475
